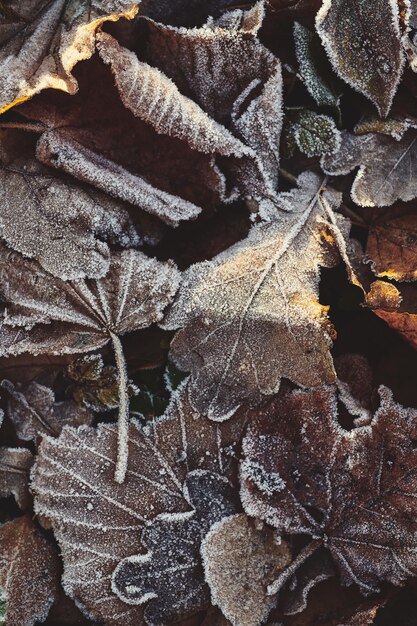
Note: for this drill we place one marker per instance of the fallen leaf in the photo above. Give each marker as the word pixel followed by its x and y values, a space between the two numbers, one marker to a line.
pixel 251 315
pixel 61 224
pixel 15 464
pixel 363 42
pixel 350 491
pixel 397 308
pixel 313 134
pixel 240 561
pixel 386 167
pixel 34 412
pixel 41 42
pixel 29 572
pixel 169 577
pixel 98 522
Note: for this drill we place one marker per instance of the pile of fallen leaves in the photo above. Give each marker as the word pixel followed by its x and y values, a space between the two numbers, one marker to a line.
pixel 208 331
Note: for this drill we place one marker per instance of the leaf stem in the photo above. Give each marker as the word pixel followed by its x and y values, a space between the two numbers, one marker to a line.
pixel 123 423
pixel 31 128
pixel 289 571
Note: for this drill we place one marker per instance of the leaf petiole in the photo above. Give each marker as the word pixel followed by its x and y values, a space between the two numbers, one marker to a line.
pixel 123 422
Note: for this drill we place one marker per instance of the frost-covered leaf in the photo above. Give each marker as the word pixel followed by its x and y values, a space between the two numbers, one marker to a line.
pixel 15 464
pixel 240 561
pixel 34 412
pixel 58 149
pixel 46 315
pixel 394 127
pixel 169 577
pixel 95 384
pixel 387 168
pixel 41 41
pixel 29 572
pixel 410 37
pixel 58 222
pixel 312 133
pixel 363 42
pixel 97 522
pixel 352 492
pixel 251 315
pixel 314 68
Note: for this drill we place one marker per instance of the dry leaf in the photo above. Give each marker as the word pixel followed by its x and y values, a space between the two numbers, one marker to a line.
pixel 29 572
pixel 41 41
pixel 15 464
pixel 58 222
pixel 386 167
pixel 352 491
pixel 397 308
pixel 97 522
pixel 240 561
pixel 363 42
pixel 34 412
pixel 251 315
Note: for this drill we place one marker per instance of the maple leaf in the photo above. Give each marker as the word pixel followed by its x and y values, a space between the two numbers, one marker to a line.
pixel 98 522
pixel 61 224
pixel 34 412
pixel 251 315
pixel 29 570
pixel 350 491
pixel 41 41
pixel 240 561
pixel 48 315
pixel 173 562
pixel 363 42
pixel 15 464
pixel 386 167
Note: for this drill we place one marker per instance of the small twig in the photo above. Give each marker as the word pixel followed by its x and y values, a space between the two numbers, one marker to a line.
pixel 31 128
pixel 288 176
pixel 123 422
pixel 356 219
pixel 289 571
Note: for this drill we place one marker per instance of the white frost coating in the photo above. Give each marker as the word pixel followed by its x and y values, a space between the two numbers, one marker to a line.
pixel 58 150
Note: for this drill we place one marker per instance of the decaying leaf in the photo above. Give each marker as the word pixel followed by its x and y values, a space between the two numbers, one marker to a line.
pixel 29 572
pixel 386 167
pixel 61 224
pixel 34 412
pixel 312 133
pixel 169 577
pixel 240 561
pixel 363 42
pixel 251 315
pixel 98 522
pixel 315 70
pixel 47 315
pixel 352 491
pixel 15 464
pixel 41 41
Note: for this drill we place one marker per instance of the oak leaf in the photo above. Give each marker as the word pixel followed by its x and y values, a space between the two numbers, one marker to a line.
pixel 352 491
pixel 240 561
pixel 363 42
pixel 41 41
pixel 29 572
pixel 251 315
pixel 15 464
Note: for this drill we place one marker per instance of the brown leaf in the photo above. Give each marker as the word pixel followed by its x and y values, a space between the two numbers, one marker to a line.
pixel 97 522
pixel 240 561
pixel 29 571
pixel 397 308
pixel 61 224
pixel 251 315
pixel 34 412
pixel 15 464
pixel 42 41
pixel 352 491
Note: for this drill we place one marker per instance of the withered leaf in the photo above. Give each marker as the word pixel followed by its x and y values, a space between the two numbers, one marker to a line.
pixel 15 464
pixel 169 577
pixel 240 561
pixel 41 41
pixel 386 167
pixel 363 42
pixel 251 315
pixel 97 522
pixel 29 572
pixel 58 222
pixel 352 491
pixel 34 412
